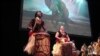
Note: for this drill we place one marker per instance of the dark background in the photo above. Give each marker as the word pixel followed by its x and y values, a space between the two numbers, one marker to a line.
pixel 13 38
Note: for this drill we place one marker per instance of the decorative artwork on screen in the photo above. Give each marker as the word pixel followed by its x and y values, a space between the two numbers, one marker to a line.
pixel 73 14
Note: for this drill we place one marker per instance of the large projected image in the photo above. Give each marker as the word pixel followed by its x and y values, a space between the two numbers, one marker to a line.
pixel 73 14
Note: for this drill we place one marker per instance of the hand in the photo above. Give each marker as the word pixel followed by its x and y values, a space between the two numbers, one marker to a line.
pixel 58 38
pixel 37 18
pixel 30 30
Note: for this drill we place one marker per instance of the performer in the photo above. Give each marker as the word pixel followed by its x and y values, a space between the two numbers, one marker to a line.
pixel 36 24
pixel 61 35
pixel 94 48
pixel 90 50
pixel 84 50
pixel 36 27
pixel 61 38
pixel 97 47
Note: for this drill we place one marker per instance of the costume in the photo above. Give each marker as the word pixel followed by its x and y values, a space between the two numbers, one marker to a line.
pixel 39 43
pixel 59 48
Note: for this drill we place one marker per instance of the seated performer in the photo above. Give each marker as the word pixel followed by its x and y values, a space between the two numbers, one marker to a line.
pixel 97 47
pixel 61 38
pixel 36 26
pixel 90 50
pixel 94 48
pixel 83 50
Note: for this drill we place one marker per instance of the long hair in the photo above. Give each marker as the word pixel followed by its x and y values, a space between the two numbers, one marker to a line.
pixel 38 15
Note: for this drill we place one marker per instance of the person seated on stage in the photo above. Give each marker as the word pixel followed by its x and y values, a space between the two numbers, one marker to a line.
pixel 61 38
pixel 98 47
pixel 36 25
pixel 62 35
pixel 83 50
pixel 94 48
pixel 90 49
pixel 73 45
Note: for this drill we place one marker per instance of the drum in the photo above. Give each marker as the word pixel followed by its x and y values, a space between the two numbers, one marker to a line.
pixel 42 45
pixel 67 49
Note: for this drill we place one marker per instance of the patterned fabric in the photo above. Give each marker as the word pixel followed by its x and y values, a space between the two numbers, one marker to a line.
pixel 38 45
pixel 42 46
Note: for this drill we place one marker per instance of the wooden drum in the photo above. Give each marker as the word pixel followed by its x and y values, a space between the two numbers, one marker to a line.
pixel 67 49
pixel 42 45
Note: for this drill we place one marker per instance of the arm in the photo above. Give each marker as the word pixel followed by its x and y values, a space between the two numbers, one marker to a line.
pixel 32 25
pixel 30 28
pixel 57 35
pixel 68 37
pixel 82 49
pixel 40 21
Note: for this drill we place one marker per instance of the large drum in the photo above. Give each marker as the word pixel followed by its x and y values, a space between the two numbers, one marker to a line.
pixel 42 45
pixel 67 49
